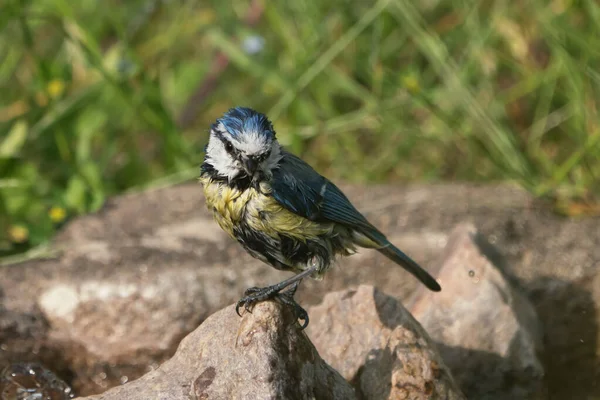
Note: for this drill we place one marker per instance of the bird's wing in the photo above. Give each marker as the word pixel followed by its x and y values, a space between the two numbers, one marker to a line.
pixel 302 190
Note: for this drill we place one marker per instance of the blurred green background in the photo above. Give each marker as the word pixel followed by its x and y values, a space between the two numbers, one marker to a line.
pixel 101 97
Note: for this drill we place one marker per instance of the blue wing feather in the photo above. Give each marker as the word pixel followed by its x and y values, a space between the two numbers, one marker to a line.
pixel 302 190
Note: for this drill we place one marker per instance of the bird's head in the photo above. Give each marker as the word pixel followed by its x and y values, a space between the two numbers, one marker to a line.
pixel 242 145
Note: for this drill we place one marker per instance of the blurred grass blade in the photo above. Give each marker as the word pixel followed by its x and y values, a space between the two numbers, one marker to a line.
pixel 561 172
pixel 10 183
pixel 15 140
pixel 243 60
pixel 502 149
pixel 383 91
pixel 327 57
pixel 61 109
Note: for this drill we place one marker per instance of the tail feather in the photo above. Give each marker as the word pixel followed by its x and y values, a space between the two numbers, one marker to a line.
pixel 396 255
pixel 374 239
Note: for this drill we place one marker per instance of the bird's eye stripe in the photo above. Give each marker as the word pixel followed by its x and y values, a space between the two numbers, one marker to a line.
pixel 266 155
pixel 228 146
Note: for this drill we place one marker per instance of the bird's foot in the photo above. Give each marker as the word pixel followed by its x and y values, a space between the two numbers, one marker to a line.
pixel 255 295
pixel 287 298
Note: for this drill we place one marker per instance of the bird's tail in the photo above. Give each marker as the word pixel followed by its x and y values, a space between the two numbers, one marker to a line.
pixel 397 256
pixel 376 240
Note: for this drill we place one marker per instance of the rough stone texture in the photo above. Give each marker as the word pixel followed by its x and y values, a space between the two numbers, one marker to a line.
pixel 488 332
pixel 263 356
pixel 162 249
pixel 373 341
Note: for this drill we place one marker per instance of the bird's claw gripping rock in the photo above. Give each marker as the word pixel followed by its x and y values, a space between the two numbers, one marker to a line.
pixel 287 298
pixel 255 295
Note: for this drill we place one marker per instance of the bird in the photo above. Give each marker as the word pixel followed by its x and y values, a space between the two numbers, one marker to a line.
pixel 281 210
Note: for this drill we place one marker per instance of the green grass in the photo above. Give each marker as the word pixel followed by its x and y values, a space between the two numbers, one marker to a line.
pixel 92 95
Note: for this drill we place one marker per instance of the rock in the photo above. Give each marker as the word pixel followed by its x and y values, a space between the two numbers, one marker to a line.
pixel 127 283
pixel 158 253
pixel 488 331
pixel 373 341
pixel 32 381
pixel 262 356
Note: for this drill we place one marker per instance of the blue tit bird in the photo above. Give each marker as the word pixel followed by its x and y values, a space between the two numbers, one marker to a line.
pixel 281 210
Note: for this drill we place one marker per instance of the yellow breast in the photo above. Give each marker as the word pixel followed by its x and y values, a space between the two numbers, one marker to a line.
pixel 232 207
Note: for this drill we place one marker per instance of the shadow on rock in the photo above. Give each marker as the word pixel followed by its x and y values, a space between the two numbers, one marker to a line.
pixel 487 331
pixel 569 316
pixel 23 341
pixel 487 377
pixel 374 342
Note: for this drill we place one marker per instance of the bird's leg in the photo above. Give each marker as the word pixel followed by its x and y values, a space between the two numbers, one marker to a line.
pixel 255 295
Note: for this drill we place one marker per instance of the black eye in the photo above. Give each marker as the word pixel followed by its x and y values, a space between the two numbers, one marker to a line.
pixel 264 156
pixel 228 147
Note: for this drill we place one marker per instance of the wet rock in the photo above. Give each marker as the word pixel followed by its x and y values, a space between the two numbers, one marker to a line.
pixel 262 356
pixel 374 342
pixel 32 381
pixel 488 331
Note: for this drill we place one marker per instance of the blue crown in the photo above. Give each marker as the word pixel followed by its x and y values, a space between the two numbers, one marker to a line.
pixel 242 119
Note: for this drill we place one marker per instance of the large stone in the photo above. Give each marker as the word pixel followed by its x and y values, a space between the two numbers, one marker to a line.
pixel 373 341
pixel 487 330
pixel 264 355
pixel 159 253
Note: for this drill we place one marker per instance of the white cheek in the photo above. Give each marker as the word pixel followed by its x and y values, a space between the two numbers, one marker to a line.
pixel 221 161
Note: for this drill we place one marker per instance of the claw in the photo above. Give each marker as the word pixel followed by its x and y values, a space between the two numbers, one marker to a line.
pixel 299 312
pixel 254 295
pixel 248 304
pixel 303 316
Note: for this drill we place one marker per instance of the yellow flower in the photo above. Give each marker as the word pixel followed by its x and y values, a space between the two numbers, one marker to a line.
pixel 18 234
pixel 55 88
pixel 57 214
pixel 411 84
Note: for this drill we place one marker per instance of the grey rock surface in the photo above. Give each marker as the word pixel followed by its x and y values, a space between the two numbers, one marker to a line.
pixel 152 266
pixel 487 331
pixel 374 342
pixel 262 356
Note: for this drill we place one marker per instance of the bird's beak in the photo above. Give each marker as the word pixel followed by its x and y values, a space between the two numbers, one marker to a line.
pixel 250 166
